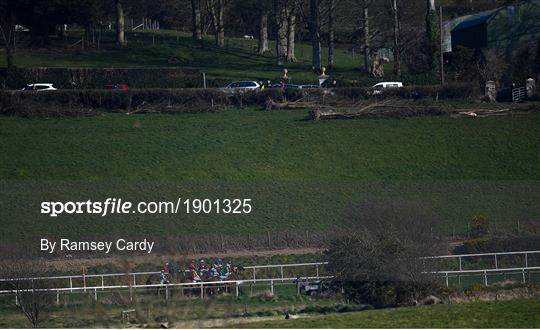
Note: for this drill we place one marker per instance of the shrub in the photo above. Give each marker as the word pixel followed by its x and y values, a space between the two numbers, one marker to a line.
pixel 201 100
pixel 479 226
pixel 377 256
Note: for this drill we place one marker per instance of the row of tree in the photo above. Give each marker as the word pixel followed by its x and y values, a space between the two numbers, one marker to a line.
pixel 408 28
pixel 395 24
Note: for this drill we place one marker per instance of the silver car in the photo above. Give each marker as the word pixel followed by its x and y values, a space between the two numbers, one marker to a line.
pixel 242 86
pixel 39 87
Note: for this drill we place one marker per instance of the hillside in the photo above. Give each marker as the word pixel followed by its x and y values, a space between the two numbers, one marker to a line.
pixel 166 48
pixel 493 314
pixel 302 176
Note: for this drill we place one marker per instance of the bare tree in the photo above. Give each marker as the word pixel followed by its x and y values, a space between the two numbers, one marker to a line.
pixel 396 27
pixel 278 22
pixel 366 32
pixel 291 30
pixel 491 65
pixel 263 32
pixel 216 9
pixel 282 27
pixel 120 37
pixel 7 30
pixel 196 18
pixel 381 251
pixel 31 295
pixel 331 44
pixel 314 32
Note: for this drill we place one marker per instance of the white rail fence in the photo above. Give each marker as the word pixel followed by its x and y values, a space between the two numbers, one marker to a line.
pixel 494 256
pixel 493 268
pixel 168 289
pixel 520 265
pixel 131 277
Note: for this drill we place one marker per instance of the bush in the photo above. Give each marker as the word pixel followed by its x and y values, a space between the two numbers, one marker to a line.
pixel 377 256
pixel 200 100
pixel 479 226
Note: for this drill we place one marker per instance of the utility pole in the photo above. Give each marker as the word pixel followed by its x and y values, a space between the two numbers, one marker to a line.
pixel 441 33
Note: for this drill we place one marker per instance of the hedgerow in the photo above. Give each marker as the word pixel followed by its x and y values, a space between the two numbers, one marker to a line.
pixel 65 102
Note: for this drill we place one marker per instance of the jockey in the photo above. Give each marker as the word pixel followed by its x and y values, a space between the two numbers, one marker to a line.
pixel 203 270
pixel 192 265
pixel 214 272
pixel 218 264
pixel 225 272
pixel 163 277
pixel 195 277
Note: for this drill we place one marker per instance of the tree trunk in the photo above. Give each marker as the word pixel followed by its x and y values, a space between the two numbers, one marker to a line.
pixel 196 17
pixel 291 24
pixel 221 25
pixel 277 20
pixel 367 39
pixel 120 38
pixel 315 33
pixel 397 57
pixel 431 5
pixel 263 33
pixel 9 57
pixel 432 41
pixel 331 46
pixel 7 28
pixel 212 10
pixel 282 30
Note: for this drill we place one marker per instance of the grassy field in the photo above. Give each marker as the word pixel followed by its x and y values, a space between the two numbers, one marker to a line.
pixel 302 176
pixel 82 312
pixel 493 314
pixel 237 60
pixel 262 312
pixel 249 144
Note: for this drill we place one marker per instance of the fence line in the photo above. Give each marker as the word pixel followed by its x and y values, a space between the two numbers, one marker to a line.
pixel 167 287
pixel 133 276
pixel 484 273
pixel 480 254
pixel 460 257
pixel 281 267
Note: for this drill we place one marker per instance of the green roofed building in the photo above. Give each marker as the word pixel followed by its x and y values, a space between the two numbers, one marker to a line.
pixel 508 27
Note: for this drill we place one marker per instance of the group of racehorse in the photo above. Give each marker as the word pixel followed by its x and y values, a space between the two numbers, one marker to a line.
pixel 197 274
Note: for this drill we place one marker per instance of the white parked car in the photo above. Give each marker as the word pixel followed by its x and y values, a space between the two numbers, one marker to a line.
pixel 39 87
pixel 241 86
pixel 378 88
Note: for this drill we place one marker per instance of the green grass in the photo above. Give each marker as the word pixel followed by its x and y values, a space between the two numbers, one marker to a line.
pixel 249 144
pixel 494 314
pixel 302 176
pixel 80 311
pixel 237 60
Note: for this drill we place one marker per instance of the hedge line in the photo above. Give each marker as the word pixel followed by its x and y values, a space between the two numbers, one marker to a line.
pixel 200 100
pixel 91 78
pixel 530 242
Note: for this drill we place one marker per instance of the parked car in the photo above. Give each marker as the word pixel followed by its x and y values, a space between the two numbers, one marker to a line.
pixel 310 288
pixel 241 86
pixel 379 87
pixel 286 86
pixel 308 86
pixel 118 87
pixel 39 87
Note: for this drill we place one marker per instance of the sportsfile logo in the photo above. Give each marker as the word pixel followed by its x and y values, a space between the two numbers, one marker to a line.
pixel 109 206
pixel 120 206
